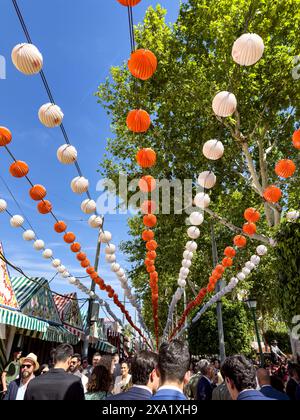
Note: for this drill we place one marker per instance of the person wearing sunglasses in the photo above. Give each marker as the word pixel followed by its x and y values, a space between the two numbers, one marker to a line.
pixel 17 388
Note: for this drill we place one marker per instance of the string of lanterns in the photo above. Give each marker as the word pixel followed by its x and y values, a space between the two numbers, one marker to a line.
pixel 20 169
pixel 250 265
pixel 142 64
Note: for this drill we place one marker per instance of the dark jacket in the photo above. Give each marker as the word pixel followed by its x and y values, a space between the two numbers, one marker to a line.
pixel 271 392
pixel 252 395
pixel 133 394
pixel 291 388
pixel 204 389
pixel 298 393
pixel 55 385
pixel 168 394
pixel 12 390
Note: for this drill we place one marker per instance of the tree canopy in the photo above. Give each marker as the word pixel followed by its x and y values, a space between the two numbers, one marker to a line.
pixel 195 62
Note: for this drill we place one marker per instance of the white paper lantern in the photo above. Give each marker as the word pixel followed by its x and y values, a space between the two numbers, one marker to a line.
pixel 115 267
pixel 39 245
pixel 56 263
pixel 187 255
pixel 95 221
pixel 202 200
pixel 291 216
pixel 224 104
pixel 79 185
pixel 48 253
pixel 261 250
pixel 186 263
pixel 65 274
pixel 110 258
pixel 88 206
pixel 16 221
pixel 92 294
pixel 72 280
pixel 184 272
pixel 27 59
pixel 28 235
pixel 250 265
pixel 248 49
pixel 120 273
pixel 193 232
pixel 213 149
pixel 246 271
pixel 207 179
pixel 255 259
pixel 191 246
pixel 50 115
pixel 196 218
pixel 105 237
pixel 182 283
pixel 241 276
pixel 61 269
pixel 110 249
pixel 67 154
pixel 233 282
pixel 3 206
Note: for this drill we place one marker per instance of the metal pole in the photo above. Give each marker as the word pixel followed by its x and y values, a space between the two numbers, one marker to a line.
pixel 219 303
pixel 262 359
pixel 89 314
pixel 184 303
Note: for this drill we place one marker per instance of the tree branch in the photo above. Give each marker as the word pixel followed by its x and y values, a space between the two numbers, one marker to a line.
pixel 235 229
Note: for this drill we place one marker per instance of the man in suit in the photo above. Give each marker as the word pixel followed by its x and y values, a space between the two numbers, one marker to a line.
pixel 17 388
pixel 264 381
pixel 57 384
pixel 240 378
pixel 205 385
pixel 172 370
pixel 294 380
pixel 144 378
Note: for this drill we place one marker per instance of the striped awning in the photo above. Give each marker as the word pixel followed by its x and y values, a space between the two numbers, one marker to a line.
pixel 59 334
pixel 19 320
pixel 105 347
pixel 25 288
pixel 75 331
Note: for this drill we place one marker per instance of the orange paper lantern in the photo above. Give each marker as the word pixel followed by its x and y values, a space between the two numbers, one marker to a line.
pixel 138 121
pixel 148 262
pixel 151 245
pixel 69 237
pixel 147 184
pixel 251 215
pixel 75 247
pixel 44 207
pixel 227 262
pixel 142 64
pixel 151 255
pixel 81 256
pixel 146 158
pixel 60 227
pixel 272 194
pixel 129 2
pixel 38 192
pixel 5 136
pixel 220 269
pixel 90 270
pixel 95 277
pixel 249 228
pixel 230 252
pixel 19 169
pixel 285 168
pixel 296 139
pixel 85 263
pixel 147 235
pixel 240 241
pixel 150 220
pixel 148 206
pixel 151 269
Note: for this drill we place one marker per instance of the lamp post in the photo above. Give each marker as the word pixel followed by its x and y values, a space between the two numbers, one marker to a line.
pixel 252 304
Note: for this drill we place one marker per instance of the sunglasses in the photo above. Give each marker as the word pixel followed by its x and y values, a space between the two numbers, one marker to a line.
pixel 26 366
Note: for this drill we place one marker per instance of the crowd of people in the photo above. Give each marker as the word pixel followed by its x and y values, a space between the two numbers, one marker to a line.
pixel 168 375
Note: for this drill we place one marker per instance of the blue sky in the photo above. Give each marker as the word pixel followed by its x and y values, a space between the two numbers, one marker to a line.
pixel 79 41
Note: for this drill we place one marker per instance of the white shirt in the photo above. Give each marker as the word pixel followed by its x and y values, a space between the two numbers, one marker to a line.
pixel 21 392
pixel 170 387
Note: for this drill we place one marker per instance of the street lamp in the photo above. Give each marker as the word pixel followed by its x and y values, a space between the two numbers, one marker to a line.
pixel 252 304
